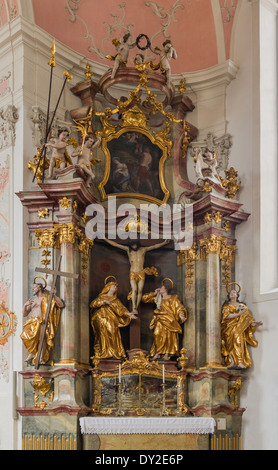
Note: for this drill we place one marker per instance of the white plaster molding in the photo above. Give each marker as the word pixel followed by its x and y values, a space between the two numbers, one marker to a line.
pixel 234 29
pixel 271 5
pixel 6 90
pixel 25 8
pixel 8 118
pixel 219 30
pixel 221 143
pixel 38 119
pixel 217 75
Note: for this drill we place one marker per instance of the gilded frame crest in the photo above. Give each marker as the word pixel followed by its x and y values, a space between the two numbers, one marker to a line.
pixel 134 127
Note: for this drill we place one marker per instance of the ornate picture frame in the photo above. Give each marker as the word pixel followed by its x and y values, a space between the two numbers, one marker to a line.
pixel 134 160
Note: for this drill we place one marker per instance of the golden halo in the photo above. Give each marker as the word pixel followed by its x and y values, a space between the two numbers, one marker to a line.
pixel 112 277
pixel 233 284
pixel 40 277
pixel 167 279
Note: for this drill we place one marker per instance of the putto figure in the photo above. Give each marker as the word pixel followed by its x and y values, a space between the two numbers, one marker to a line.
pixel 109 315
pixel 206 165
pixel 123 48
pixel 166 54
pixel 36 307
pixel 237 329
pixel 166 323
pixel 84 154
pixel 59 158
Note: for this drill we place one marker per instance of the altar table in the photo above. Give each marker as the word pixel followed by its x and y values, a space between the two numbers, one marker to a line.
pixel 156 433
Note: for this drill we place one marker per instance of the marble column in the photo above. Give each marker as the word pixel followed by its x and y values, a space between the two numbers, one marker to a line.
pixel 210 249
pixel 69 292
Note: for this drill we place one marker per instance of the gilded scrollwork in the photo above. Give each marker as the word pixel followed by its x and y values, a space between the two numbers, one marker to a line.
pixel 188 257
pixel 234 391
pixel 43 388
pixel 231 183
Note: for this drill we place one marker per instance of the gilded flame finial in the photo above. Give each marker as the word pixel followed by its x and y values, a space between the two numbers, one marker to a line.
pixel 52 61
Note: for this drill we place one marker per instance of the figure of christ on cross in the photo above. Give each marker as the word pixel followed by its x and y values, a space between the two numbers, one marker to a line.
pixel 55 273
pixel 136 255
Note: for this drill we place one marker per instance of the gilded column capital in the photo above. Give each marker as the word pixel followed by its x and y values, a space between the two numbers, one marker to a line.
pixel 46 237
pixel 210 245
pixel 66 233
pixel 217 245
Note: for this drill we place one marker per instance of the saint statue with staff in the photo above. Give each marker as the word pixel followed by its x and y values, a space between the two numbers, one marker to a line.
pixel 36 308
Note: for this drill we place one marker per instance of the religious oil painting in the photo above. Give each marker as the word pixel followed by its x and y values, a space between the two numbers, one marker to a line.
pixel 135 167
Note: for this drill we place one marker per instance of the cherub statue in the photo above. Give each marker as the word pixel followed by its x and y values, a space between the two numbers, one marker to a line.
pixel 237 329
pixel 166 323
pixel 84 154
pixel 166 55
pixel 123 48
pixel 59 157
pixel 206 165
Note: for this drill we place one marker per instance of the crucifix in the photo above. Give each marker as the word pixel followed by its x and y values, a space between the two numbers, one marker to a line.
pixel 56 272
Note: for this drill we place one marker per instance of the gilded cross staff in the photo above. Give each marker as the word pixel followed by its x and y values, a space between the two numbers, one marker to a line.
pixel 51 63
pixel 68 77
pixel 56 272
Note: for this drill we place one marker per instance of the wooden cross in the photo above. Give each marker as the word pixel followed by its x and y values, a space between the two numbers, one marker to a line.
pixel 55 274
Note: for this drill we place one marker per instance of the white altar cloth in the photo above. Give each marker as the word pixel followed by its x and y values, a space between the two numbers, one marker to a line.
pixel 141 425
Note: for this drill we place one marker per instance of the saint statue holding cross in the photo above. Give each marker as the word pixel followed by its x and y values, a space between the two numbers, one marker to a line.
pixel 39 331
pixel 36 308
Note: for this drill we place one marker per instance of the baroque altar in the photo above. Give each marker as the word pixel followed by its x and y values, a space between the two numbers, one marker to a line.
pixel 134 311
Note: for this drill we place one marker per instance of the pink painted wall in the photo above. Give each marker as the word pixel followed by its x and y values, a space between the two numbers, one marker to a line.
pixel 191 27
pixel 11 14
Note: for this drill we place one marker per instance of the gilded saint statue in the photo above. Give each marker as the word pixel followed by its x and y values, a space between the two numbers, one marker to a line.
pixel 166 323
pixel 109 315
pixel 237 329
pixel 36 307
pixel 136 255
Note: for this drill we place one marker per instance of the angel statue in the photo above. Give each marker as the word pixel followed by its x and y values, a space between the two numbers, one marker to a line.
pixel 237 329
pixel 206 165
pixel 166 323
pixel 123 48
pixel 59 157
pixel 166 54
pixel 84 154
pixel 108 316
